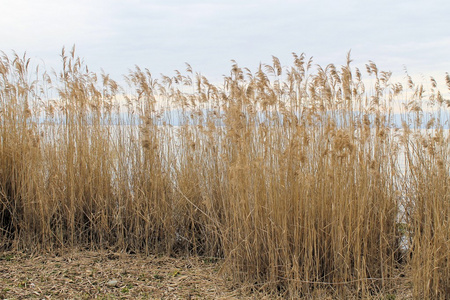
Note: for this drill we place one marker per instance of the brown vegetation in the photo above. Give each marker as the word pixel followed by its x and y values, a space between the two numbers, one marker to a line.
pixel 108 275
pixel 292 176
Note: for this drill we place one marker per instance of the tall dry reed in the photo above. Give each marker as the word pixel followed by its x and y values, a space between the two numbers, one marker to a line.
pixel 293 176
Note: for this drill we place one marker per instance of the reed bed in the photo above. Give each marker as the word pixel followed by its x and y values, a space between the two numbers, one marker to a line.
pixel 296 177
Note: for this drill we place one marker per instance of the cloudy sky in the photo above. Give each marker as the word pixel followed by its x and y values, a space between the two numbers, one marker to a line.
pixel 162 35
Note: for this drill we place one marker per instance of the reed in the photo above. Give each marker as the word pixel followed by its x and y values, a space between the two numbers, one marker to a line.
pixel 292 176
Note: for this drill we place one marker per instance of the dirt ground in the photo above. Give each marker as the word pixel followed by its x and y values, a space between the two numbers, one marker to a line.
pixel 109 275
pixel 115 275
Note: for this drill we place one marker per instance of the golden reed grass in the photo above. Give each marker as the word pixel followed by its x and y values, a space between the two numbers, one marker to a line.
pixel 291 176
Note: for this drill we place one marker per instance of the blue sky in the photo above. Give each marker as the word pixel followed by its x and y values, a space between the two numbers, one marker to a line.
pixel 163 35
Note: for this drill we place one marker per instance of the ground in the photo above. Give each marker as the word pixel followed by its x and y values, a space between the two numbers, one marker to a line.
pixel 111 275
pixel 115 275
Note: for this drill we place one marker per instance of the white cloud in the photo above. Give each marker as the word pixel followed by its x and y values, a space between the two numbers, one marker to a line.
pixel 162 35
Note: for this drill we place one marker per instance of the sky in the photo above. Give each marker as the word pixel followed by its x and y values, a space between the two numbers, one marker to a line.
pixel 162 35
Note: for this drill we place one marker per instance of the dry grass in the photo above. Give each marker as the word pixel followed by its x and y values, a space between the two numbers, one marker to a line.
pixel 84 274
pixel 291 176
pixel 109 275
